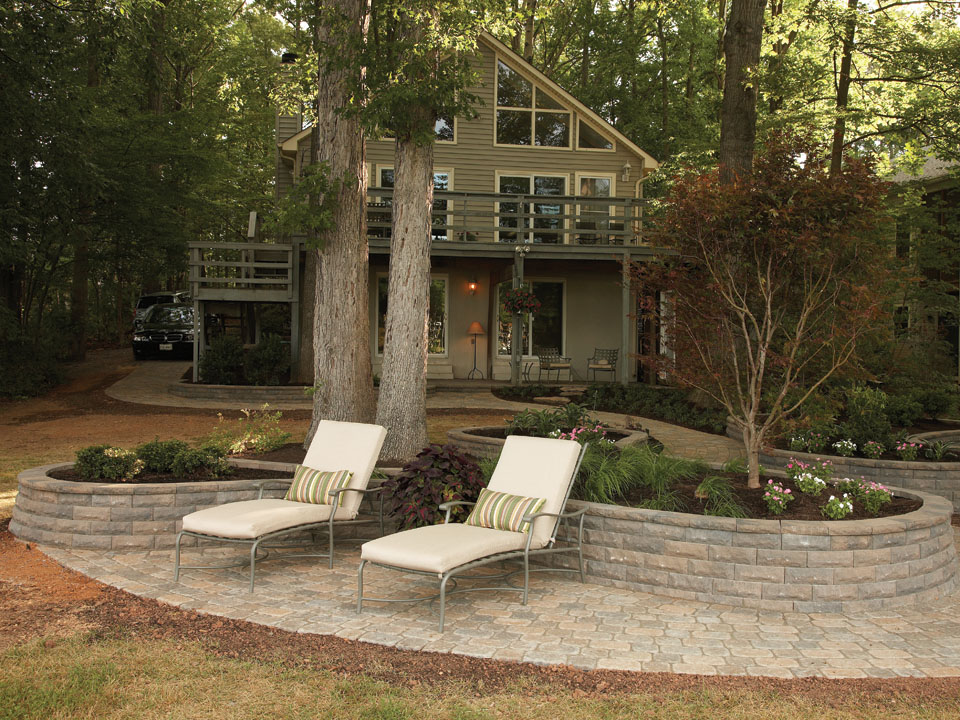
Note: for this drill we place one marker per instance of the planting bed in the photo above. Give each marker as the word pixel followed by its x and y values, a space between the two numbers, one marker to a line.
pixel 487 442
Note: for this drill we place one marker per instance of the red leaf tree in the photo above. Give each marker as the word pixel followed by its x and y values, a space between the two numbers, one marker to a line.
pixel 769 282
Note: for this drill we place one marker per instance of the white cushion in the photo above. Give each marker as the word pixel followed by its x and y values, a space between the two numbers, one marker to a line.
pixel 537 467
pixel 438 548
pixel 251 519
pixel 346 446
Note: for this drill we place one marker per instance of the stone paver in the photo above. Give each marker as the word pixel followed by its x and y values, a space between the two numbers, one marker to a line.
pixel 583 625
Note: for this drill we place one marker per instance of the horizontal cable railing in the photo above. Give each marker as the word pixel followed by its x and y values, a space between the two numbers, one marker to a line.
pixel 509 218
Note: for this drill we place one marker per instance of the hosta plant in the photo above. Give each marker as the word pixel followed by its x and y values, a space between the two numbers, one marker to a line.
pixel 436 475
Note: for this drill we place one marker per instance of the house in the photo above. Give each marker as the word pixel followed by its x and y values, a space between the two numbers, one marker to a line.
pixel 538 190
pixel 938 185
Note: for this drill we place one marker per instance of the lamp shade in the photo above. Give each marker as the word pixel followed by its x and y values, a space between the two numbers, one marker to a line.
pixel 475 329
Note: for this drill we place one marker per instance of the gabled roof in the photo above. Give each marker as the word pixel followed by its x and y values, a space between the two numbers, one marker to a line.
pixel 519 63
pixel 289 146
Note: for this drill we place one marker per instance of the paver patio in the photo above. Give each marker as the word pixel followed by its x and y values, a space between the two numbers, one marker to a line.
pixel 566 622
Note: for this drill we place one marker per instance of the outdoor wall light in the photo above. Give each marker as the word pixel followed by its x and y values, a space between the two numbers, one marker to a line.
pixel 472 287
pixel 625 172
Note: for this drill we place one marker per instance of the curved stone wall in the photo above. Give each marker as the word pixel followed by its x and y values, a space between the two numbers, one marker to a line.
pixel 116 516
pixel 481 446
pixel 253 394
pixel 780 565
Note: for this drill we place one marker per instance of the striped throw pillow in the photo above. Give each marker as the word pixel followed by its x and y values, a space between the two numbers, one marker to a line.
pixel 503 511
pixel 314 486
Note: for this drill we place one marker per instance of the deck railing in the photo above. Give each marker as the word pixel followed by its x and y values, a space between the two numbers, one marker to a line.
pixel 258 271
pixel 508 218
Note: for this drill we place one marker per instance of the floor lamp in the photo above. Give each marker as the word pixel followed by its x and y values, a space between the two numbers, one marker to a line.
pixel 475 329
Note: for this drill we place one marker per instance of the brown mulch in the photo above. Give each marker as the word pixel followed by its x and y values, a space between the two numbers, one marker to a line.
pixel 40 598
pixel 148 477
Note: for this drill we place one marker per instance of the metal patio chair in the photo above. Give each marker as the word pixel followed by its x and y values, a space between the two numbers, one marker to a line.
pixel 603 361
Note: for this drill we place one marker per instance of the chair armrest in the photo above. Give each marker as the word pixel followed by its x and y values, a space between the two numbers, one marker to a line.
pixel 449 505
pixel 572 514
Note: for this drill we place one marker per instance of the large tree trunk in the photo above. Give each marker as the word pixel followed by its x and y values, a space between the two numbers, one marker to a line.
pixel 341 324
pixel 738 113
pixel 402 406
pixel 843 88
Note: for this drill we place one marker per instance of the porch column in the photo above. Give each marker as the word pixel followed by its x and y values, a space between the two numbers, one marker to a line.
pixel 623 367
pixel 515 332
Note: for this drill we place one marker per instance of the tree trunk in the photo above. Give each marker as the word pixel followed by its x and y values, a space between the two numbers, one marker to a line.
pixel 843 89
pixel 308 292
pixel 341 324
pixel 752 441
pixel 738 113
pixel 402 406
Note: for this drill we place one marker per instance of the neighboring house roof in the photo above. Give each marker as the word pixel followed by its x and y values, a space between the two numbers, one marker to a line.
pixel 289 145
pixel 934 169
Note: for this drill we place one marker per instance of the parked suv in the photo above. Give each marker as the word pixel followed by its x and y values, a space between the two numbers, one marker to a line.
pixel 166 330
pixel 148 300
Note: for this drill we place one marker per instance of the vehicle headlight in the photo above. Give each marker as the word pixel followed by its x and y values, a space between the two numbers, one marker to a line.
pixel 188 336
pixel 141 338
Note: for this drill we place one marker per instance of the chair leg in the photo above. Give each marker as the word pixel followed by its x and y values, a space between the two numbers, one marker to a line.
pixel 253 562
pixel 330 536
pixel 526 576
pixel 360 587
pixel 176 560
pixel 443 599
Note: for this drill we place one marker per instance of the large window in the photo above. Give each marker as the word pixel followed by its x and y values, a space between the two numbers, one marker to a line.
pixel 590 139
pixel 539 229
pixel 594 216
pixel 387 179
pixel 527 114
pixel 436 315
pixel 544 330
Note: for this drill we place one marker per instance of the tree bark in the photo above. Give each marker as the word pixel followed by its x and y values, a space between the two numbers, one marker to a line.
pixel 738 113
pixel 402 406
pixel 843 88
pixel 343 374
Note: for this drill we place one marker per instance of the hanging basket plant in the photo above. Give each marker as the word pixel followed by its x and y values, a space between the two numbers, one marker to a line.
pixel 520 301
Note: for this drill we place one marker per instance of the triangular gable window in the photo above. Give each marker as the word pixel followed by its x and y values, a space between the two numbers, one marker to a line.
pixel 527 114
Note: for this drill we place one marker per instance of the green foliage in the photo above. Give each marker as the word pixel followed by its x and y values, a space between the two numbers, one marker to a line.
pixel 436 475
pixel 523 392
pixel 654 402
pixel 158 455
pixel 866 416
pixel 544 423
pixel 837 508
pixel 718 497
pixel 902 410
pixel 268 363
pixel 103 462
pixel 222 363
pixel 309 206
pixel 608 473
pixel 28 361
pixel 206 460
pixel 257 431
pixel 658 472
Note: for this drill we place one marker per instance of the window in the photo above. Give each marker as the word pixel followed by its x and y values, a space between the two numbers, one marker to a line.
pixel 594 216
pixel 531 185
pixel 590 139
pixel 436 315
pixel 528 115
pixel 444 129
pixel 545 330
pixel 379 223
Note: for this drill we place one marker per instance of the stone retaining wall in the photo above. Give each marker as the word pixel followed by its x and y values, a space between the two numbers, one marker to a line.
pixel 256 395
pixel 481 446
pixel 780 565
pixel 112 516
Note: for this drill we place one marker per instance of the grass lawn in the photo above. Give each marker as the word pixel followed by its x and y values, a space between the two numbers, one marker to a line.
pixel 84 677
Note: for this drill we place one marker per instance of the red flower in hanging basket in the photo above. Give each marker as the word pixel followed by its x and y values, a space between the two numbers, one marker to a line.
pixel 520 301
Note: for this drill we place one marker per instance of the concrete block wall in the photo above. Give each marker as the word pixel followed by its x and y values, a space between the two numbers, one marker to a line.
pixel 780 565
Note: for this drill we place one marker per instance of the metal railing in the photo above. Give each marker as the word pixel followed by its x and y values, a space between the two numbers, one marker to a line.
pixel 508 218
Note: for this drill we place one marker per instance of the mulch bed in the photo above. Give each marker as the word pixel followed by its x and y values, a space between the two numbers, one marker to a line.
pixel 803 507
pixel 237 474
pixel 40 598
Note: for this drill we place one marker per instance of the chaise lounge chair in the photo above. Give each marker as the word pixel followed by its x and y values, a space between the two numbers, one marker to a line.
pixel 516 516
pixel 325 493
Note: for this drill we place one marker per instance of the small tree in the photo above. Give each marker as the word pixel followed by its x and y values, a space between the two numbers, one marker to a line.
pixel 771 282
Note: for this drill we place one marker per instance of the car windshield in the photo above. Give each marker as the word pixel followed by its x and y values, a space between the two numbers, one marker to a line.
pixel 148 300
pixel 171 315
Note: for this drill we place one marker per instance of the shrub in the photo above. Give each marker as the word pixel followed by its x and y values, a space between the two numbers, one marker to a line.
pixel 654 402
pixel 198 460
pixel 903 410
pixel 523 392
pixel 267 363
pixel 866 419
pixel 222 363
pixel 837 508
pixel 908 450
pixel 436 475
pixel 875 496
pixel 872 449
pixel 545 423
pixel 937 401
pixel 257 431
pixel 158 455
pixel 845 448
pixel 102 462
pixel 776 497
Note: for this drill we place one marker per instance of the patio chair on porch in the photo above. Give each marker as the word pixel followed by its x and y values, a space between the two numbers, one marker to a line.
pixel 325 492
pixel 551 360
pixel 504 524
pixel 603 361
